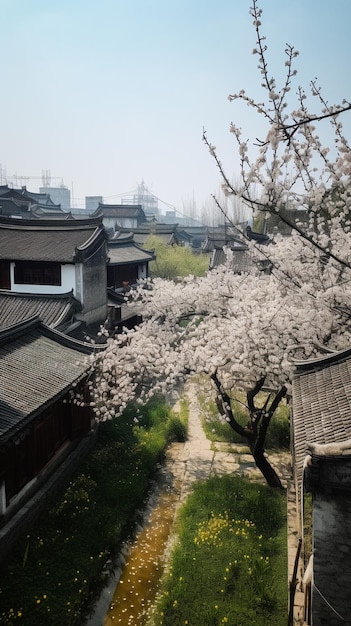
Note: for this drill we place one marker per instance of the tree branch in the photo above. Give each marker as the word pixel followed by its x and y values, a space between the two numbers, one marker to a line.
pixel 313 118
pixel 252 393
pixel 266 418
pixel 227 410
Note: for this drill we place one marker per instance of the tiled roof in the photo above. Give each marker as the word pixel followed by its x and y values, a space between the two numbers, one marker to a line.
pixel 12 206
pixel 37 366
pixel 122 235
pixel 48 210
pixel 29 197
pixel 122 253
pixel 196 230
pixel 117 299
pixel 119 210
pixel 223 236
pixel 53 310
pixel 165 238
pixel 41 240
pixel 156 228
pixel 211 243
pixel 241 261
pixel 168 233
pixel 9 192
pixel 40 198
pixel 321 403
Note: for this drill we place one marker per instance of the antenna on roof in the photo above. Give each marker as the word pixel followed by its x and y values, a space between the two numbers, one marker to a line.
pixel 46 178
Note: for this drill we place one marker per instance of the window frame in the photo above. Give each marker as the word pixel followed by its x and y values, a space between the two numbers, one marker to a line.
pixel 38 273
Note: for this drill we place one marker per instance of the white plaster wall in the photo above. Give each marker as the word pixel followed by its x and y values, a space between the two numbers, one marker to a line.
pixel 142 271
pixel 68 282
pixel 124 222
pixel 78 282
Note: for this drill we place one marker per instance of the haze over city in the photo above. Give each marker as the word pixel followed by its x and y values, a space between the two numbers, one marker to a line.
pixel 104 95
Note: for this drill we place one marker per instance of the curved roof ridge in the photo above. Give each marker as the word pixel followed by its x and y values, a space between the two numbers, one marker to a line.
pixel 321 361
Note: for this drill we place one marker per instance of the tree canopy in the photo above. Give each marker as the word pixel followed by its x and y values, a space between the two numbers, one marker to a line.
pixel 174 260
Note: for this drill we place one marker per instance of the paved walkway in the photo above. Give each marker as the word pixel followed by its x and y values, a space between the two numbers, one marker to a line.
pixel 198 459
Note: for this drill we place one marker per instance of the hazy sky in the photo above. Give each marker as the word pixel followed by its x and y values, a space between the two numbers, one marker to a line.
pixel 107 93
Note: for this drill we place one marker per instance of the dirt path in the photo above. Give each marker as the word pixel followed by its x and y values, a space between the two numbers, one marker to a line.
pixel 199 458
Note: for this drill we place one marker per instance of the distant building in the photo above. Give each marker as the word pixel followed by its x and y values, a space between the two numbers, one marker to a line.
pixel 168 233
pixel 147 200
pixel 117 216
pixel 127 261
pixel 59 195
pixel 92 203
pixel 24 204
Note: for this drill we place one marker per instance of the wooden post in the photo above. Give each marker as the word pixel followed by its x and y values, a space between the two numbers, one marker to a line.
pixel 293 585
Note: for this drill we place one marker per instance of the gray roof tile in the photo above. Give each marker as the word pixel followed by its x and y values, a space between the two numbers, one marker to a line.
pixel 53 310
pixel 55 240
pixel 123 253
pixel 37 365
pixel 321 403
pixel 119 210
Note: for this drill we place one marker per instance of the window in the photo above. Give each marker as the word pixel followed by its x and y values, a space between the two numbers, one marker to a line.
pixel 37 273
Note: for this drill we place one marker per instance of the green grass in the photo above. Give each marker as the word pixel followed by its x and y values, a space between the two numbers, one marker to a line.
pixel 230 563
pixel 216 429
pixel 56 571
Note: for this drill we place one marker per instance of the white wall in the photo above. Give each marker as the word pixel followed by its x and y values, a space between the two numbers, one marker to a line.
pixel 124 222
pixel 142 271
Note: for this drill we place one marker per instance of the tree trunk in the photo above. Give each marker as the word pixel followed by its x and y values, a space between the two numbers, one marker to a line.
pixel 256 430
pixel 267 470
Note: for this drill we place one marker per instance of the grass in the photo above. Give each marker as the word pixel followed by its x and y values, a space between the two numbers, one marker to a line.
pixel 230 563
pixel 57 570
pixel 217 429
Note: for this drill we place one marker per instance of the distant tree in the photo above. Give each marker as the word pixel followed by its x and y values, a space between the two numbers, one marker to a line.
pixel 232 209
pixel 173 260
pixel 210 215
pixel 189 208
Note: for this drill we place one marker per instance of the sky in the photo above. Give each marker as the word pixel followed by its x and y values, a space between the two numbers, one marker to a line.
pixel 105 94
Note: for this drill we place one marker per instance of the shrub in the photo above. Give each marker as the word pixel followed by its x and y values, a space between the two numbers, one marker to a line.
pixel 174 261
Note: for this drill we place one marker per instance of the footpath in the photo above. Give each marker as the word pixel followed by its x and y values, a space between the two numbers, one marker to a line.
pixel 199 458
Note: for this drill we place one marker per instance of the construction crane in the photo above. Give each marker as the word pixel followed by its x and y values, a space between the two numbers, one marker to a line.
pixel 19 180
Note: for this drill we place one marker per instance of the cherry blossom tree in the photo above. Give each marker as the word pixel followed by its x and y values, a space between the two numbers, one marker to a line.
pixel 244 331
pixel 290 165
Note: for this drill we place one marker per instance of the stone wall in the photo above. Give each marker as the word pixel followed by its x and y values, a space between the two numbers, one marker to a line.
pixel 331 590
pixel 329 481
pixel 95 289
